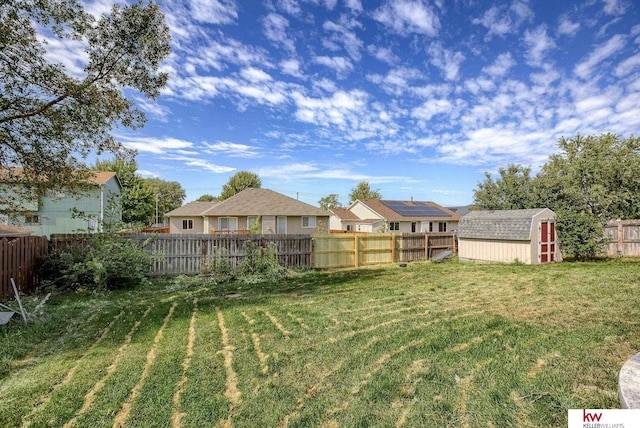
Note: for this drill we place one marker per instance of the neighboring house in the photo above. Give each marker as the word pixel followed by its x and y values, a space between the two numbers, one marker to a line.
pixel 260 210
pixel 58 213
pixel 527 236
pixel 189 218
pixel 376 215
pixel 11 232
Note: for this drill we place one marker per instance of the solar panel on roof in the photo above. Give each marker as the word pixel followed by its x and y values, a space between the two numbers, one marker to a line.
pixel 415 209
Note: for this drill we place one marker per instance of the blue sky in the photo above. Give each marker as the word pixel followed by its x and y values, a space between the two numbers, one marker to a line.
pixel 419 98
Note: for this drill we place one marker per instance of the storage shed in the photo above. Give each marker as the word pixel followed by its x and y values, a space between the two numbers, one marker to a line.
pixel 505 236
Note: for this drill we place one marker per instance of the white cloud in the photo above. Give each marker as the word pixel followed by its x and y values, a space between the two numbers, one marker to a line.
pixel 206 165
pixel 408 16
pixel 628 66
pixel 431 108
pixel 255 75
pixel 291 67
pixel 342 34
pixel 275 29
pixel 397 81
pixel 354 5
pixel 290 6
pixel 586 68
pixel 501 66
pixel 156 145
pixel 214 11
pixel 615 7
pixel 342 109
pixel 231 149
pixel 538 43
pixel 446 60
pixel 496 21
pixel 339 64
pixel 567 27
pixel 383 54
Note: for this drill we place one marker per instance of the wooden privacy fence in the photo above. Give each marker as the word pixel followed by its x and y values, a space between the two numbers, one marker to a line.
pixel 354 250
pixel 185 254
pixel 623 238
pixel 20 259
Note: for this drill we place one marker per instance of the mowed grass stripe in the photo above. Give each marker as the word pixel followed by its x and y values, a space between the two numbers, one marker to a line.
pixel 177 414
pixel 123 415
pixel 44 401
pixel 91 395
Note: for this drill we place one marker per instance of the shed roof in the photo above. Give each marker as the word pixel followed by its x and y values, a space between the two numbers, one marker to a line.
pixel 252 201
pixel 511 225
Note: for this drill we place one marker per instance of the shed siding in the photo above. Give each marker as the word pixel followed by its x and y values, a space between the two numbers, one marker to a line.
pixel 495 250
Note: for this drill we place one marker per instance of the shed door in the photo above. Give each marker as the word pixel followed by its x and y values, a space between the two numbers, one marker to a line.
pixel 547 241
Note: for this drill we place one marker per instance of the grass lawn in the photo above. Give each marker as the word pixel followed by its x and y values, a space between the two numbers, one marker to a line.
pixel 445 344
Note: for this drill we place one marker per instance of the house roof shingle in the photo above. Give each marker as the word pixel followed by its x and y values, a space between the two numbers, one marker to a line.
pixel 192 209
pixel 511 225
pixel 13 231
pixel 16 173
pixel 344 214
pixel 255 202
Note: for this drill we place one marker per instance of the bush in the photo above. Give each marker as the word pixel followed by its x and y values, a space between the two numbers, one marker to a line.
pixel 218 267
pixel 108 262
pixel 260 265
pixel 580 234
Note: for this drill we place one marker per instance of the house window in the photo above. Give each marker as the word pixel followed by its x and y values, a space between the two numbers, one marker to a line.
pixel 308 222
pixel 281 225
pixel 187 224
pixel 442 226
pixel 430 226
pixel 394 225
pixel 228 223
pixel 349 228
pixel 32 219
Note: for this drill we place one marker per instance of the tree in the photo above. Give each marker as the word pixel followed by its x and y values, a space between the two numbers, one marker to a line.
pixel 363 191
pixel 512 190
pixel 330 201
pixel 238 182
pixel 51 120
pixel 167 196
pixel 207 198
pixel 598 175
pixel 136 198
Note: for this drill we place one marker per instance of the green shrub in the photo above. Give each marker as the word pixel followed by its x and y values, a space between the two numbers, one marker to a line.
pixel 218 267
pixel 108 262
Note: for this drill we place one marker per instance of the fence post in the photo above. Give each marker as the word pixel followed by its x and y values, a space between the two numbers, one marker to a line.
pixel 356 245
pixel 620 238
pixel 393 248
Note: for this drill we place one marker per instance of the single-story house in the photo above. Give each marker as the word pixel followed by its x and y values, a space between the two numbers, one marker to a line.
pixel 54 213
pixel 260 210
pixel 506 236
pixel 380 215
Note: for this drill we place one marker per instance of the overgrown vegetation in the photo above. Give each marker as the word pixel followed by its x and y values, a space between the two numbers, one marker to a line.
pixel 106 261
pixel 259 265
pixel 445 344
